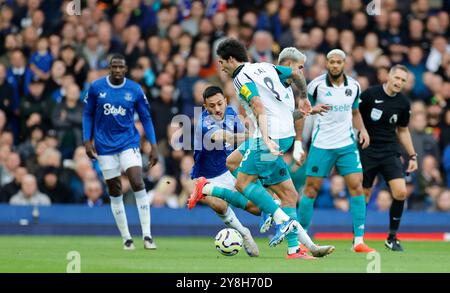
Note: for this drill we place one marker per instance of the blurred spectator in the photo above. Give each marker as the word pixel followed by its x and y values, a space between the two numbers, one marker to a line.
pixel 67 119
pixel 383 201
pixel 93 52
pixel 27 149
pixel 29 193
pixel 439 48
pixel 6 95
pixel 163 110
pixel 429 181
pixel 35 109
pixel 443 201
pixel 93 192
pixel 55 81
pixel 417 67
pixel 8 190
pixel 51 184
pixel 191 24
pixel 41 60
pixel 12 162
pixel 424 143
pixel 202 50
pixel 339 193
pixel 163 195
pixel 75 65
pixel 187 184
pixel 186 85
pixel 261 50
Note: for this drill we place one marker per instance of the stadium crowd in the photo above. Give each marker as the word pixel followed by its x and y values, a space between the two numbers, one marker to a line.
pixel 48 58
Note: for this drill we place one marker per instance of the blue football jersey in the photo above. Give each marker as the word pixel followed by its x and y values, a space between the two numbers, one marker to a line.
pixel 109 116
pixel 210 160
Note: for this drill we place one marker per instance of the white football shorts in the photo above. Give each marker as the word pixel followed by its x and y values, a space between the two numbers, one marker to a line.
pixel 113 165
pixel 226 180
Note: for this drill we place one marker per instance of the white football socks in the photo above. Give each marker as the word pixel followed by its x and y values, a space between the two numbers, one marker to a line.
pixel 118 210
pixel 230 220
pixel 358 240
pixel 207 189
pixel 143 206
pixel 304 238
pixel 280 216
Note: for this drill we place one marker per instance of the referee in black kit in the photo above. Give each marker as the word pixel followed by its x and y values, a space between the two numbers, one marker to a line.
pixel 385 111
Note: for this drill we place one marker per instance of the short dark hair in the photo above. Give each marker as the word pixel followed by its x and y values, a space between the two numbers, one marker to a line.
pixel 399 66
pixel 211 91
pixel 232 48
pixel 117 57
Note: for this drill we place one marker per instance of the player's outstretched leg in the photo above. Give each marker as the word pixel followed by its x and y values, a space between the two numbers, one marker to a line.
pixel 264 201
pixel 229 218
pixel 203 188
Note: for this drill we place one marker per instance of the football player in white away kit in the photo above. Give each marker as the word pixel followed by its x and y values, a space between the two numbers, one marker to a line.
pixel 263 158
pixel 334 143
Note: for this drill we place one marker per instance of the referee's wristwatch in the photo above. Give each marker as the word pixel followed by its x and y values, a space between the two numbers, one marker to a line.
pixel 413 157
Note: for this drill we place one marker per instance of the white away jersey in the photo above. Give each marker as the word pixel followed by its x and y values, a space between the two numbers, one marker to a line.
pixel 334 129
pixel 277 100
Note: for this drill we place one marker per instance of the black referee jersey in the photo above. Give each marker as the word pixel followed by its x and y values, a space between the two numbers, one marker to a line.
pixel 381 115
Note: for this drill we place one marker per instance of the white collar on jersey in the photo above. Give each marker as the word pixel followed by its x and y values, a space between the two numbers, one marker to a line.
pixel 116 86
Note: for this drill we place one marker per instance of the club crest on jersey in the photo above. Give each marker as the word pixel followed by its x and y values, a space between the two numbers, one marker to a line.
pixel 348 92
pixel 393 119
pixel 102 95
pixel 376 114
pixel 128 97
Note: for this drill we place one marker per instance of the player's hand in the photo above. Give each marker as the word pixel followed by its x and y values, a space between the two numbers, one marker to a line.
pixel 305 107
pixel 90 150
pixel 153 156
pixel 274 148
pixel 412 166
pixel 320 108
pixel 299 153
pixel 364 138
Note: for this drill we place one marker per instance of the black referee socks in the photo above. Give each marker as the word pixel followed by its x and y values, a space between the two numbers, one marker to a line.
pixel 395 215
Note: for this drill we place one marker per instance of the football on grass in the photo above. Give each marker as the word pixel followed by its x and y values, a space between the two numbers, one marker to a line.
pixel 228 242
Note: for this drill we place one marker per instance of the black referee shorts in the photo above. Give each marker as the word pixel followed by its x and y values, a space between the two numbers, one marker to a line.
pixel 390 166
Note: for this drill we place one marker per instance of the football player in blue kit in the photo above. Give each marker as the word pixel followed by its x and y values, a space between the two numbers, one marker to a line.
pixel 110 136
pixel 216 134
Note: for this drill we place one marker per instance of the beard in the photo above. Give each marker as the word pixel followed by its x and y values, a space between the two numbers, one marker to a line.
pixel 336 76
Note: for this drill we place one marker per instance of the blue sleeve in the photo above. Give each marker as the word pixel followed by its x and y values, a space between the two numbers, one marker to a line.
pixel 208 129
pixel 88 114
pixel 284 72
pixel 143 108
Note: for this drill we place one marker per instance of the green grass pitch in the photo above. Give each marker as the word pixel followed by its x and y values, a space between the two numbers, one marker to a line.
pixel 197 254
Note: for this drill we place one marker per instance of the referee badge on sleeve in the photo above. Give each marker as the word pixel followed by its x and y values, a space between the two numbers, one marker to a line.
pixel 376 114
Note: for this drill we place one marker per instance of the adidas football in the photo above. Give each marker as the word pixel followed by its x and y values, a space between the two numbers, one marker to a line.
pixel 228 242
